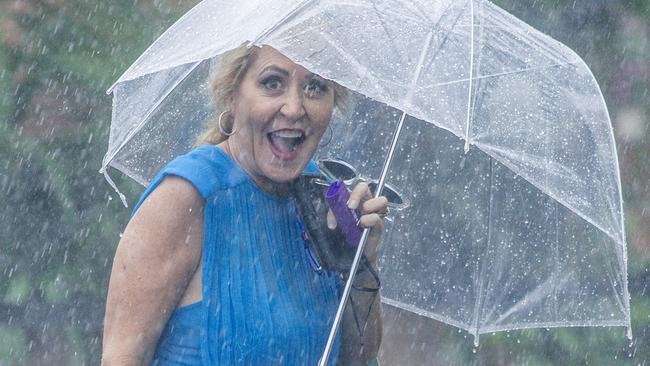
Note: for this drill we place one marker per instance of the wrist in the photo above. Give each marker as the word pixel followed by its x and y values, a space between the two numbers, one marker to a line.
pixel 367 277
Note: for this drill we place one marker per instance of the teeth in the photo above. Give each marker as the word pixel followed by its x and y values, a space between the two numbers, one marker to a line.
pixel 287 134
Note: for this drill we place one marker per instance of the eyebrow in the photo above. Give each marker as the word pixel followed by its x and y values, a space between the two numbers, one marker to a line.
pixel 276 69
pixel 284 72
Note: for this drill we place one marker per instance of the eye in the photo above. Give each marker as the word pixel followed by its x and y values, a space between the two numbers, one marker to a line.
pixel 315 87
pixel 272 83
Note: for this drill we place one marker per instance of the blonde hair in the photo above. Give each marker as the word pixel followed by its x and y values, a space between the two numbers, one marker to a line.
pixel 232 68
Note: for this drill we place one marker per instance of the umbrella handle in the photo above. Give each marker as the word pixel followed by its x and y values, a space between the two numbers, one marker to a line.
pixel 337 196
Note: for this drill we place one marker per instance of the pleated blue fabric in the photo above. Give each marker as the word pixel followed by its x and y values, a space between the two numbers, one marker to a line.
pixel 262 303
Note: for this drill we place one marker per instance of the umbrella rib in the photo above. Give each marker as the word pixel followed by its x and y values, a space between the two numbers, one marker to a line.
pixel 556 257
pixel 491 329
pixel 515 326
pixel 532 297
pixel 385 28
pixel 471 74
pixel 505 73
pixel 478 301
pixel 622 259
pixel 446 37
pixel 612 282
pixel 418 70
pixel 429 314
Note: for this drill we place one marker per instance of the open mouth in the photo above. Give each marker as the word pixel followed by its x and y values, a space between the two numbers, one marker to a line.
pixel 285 143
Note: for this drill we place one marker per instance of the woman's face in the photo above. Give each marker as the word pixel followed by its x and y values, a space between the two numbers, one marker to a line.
pixel 281 111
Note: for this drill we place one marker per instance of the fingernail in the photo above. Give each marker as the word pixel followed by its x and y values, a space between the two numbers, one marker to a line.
pixel 331 225
pixel 353 204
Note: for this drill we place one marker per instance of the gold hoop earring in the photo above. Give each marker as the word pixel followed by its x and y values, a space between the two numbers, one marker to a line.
pixel 329 127
pixel 221 130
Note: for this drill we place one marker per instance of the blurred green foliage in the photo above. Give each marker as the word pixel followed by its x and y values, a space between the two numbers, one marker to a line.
pixel 60 221
pixel 60 224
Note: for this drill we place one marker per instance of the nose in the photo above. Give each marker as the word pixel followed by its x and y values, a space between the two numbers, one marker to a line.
pixel 293 107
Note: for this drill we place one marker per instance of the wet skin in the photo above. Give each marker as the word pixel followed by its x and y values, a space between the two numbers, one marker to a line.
pixel 281 111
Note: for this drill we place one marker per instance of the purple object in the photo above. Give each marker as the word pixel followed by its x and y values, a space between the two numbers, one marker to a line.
pixel 337 196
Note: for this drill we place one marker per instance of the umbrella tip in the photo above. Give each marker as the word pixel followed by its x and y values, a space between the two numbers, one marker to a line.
pixel 113 185
pixel 628 334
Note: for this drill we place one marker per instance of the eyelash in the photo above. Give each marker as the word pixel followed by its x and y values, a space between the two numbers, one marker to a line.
pixel 320 86
pixel 266 81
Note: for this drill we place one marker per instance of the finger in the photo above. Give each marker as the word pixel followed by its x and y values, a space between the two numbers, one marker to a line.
pixel 359 192
pixel 372 221
pixel 331 220
pixel 376 226
pixel 376 205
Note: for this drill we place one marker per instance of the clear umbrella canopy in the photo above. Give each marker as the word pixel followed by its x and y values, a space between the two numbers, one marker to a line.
pixel 507 152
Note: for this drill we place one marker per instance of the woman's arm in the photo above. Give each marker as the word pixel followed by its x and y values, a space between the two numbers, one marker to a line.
pixel 361 341
pixel 155 260
pixel 361 337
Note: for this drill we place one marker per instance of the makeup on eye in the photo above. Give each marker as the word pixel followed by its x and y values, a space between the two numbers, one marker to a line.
pixel 272 82
pixel 273 79
pixel 315 86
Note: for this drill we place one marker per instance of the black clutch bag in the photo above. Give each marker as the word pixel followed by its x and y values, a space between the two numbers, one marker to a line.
pixel 328 246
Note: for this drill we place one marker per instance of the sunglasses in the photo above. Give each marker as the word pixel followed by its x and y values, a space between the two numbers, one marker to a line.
pixel 309 252
pixel 334 169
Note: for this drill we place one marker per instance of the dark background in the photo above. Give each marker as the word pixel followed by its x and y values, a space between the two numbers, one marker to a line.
pixel 60 221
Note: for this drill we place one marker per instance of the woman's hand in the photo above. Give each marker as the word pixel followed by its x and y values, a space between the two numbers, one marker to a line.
pixel 373 211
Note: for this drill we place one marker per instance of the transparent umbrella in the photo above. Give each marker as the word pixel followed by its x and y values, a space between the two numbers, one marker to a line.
pixel 504 147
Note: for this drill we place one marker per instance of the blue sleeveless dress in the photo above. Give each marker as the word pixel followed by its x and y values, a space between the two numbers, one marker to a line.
pixel 262 303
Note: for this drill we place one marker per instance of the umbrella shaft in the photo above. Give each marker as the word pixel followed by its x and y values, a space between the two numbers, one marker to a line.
pixel 360 248
pixel 344 300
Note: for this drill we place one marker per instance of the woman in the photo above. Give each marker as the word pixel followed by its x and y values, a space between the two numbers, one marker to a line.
pixel 211 268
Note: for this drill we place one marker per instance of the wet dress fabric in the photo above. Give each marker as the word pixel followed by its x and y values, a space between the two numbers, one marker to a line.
pixel 262 302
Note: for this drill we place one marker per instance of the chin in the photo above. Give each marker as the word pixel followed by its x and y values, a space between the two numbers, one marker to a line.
pixel 288 170
pixel 285 174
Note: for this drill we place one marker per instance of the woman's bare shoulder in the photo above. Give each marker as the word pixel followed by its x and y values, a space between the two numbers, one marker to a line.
pixel 173 192
pixel 171 215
